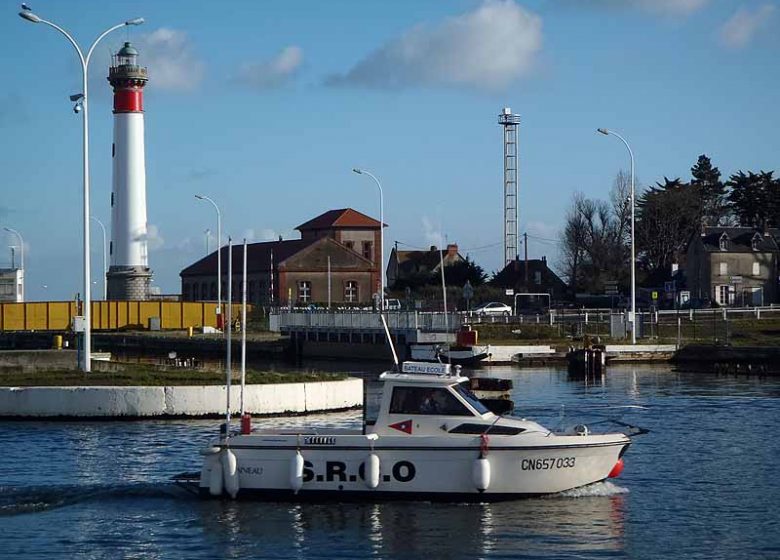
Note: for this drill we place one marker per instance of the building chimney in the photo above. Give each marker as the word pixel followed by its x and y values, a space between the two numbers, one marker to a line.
pixel 452 250
pixel 434 248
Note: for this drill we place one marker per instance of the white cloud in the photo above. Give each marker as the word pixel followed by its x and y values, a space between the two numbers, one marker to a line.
pixel 153 239
pixel 267 235
pixel 432 235
pixel 487 48
pixel 670 7
pixel 273 73
pixel 744 24
pixel 658 7
pixel 172 64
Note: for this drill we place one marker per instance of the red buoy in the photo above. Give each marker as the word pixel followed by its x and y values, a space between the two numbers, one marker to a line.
pixel 617 469
pixel 246 423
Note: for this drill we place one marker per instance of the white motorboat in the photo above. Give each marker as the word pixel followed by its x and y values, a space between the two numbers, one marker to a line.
pixel 424 436
pixel 460 355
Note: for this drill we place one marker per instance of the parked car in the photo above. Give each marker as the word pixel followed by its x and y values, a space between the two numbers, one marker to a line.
pixel 392 304
pixel 493 308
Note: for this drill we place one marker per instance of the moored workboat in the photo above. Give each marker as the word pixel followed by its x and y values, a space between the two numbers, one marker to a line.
pixel 429 438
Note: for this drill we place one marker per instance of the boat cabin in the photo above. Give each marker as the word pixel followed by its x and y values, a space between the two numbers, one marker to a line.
pixel 423 399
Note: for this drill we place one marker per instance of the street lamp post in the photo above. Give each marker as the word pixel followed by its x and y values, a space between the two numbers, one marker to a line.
pixel 219 252
pixel 381 236
pixel 82 106
pixel 633 249
pixel 105 259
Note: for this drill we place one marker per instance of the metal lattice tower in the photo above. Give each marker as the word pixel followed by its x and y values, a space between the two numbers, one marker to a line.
pixel 510 123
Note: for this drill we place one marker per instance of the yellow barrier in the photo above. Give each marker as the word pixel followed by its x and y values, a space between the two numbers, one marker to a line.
pixel 110 315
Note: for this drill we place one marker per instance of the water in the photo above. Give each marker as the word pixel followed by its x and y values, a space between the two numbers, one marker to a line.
pixel 701 484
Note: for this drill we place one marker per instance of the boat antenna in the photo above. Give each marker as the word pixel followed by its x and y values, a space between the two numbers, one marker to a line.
pixel 389 339
pixel 243 333
pixel 444 297
pixel 228 358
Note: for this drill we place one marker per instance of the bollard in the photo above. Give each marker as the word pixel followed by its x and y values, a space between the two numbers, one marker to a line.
pixel 189 332
pixel 57 342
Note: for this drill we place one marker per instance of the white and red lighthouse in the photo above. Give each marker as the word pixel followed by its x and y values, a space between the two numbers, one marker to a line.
pixel 129 275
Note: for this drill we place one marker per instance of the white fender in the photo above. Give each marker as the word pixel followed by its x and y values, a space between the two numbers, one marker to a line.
pixel 372 471
pixel 296 472
pixel 230 472
pixel 215 476
pixel 480 473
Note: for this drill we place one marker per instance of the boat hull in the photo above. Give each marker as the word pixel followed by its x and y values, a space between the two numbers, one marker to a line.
pixel 464 356
pixel 425 470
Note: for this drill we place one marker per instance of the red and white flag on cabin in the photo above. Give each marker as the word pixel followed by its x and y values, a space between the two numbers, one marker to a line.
pixel 405 426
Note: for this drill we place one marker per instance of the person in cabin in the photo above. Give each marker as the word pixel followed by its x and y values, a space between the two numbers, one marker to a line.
pixel 429 404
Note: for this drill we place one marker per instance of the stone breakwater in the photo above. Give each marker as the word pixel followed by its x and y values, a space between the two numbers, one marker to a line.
pixel 177 401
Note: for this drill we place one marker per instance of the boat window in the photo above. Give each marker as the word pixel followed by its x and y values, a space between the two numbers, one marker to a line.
pixel 471 398
pixel 490 430
pixel 426 400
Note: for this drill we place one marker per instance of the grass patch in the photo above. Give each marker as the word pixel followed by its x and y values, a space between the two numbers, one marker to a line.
pixel 142 375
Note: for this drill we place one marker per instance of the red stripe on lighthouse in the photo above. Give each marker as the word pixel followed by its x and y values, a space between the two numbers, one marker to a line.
pixel 128 101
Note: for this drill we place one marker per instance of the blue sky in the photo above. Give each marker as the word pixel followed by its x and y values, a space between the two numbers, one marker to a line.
pixel 266 107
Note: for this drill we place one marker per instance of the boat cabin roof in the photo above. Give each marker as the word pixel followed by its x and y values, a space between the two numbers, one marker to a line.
pixel 421 379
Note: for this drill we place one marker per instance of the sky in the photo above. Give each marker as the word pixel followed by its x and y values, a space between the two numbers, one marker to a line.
pixel 266 106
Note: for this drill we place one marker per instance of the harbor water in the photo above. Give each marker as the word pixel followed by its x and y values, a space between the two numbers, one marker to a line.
pixel 701 484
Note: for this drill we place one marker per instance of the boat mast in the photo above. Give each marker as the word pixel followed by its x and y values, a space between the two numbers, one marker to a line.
pixel 229 328
pixel 243 332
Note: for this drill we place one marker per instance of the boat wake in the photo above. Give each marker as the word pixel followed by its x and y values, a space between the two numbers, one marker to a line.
pixel 599 489
pixel 23 500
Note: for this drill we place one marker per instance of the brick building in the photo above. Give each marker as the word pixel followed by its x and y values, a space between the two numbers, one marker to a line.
pixel 344 242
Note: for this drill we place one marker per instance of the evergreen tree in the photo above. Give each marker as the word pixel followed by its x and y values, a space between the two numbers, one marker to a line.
pixel 711 192
pixel 668 215
pixel 755 198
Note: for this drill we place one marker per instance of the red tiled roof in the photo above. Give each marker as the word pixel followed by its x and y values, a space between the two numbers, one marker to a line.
pixel 342 218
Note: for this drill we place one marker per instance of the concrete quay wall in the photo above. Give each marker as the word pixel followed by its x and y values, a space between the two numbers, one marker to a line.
pixel 179 401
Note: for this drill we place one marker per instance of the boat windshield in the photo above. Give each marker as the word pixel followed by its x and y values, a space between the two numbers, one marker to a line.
pixel 470 397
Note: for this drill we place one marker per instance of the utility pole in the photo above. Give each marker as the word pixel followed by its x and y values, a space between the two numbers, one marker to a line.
pixel 525 244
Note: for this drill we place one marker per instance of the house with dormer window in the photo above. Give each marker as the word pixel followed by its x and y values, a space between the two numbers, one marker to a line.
pixel 733 266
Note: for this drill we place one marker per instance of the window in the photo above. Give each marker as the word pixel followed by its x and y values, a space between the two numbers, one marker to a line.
pixel 186 294
pixel 350 245
pixel 367 250
pixel 724 269
pixel 251 291
pixel 724 294
pixel 351 291
pixel 427 401
pixel 213 291
pixel 538 277
pixel 755 241
pixel 204 291
pixel 304 291
pixel 724 242
pixel 756 269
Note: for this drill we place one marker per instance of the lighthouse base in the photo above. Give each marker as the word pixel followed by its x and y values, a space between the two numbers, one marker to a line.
pixel 128 283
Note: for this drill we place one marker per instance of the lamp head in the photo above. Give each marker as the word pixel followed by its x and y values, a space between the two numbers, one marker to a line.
pixel 603 131
pixel 199 196
pixel 29 16
pixel 357 170
pixel 135 21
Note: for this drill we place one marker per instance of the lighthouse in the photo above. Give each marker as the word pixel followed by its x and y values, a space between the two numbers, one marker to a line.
pixel 129 274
